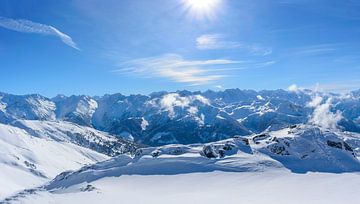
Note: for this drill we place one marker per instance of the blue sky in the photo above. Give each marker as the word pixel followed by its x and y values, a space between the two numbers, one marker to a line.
pixel 139 46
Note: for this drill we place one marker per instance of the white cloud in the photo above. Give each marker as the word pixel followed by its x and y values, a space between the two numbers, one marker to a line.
pixel 294 88
pixel 219 87
pixel 218 41
pixel 172 100
pixel 26 26
pixel 312 50
pixel 316 101
pixel 214 41
pixel 337 86
pixel 176 68
pixel 322 116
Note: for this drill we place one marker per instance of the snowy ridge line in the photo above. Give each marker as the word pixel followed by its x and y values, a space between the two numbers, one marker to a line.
pixel 63 131
pixel 298 149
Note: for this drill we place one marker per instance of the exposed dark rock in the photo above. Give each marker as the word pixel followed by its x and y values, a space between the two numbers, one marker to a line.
pixel 278 149
pixel 347 147
pixel 209 152
pixel 89 187
pixel 156 153
pixel 334 144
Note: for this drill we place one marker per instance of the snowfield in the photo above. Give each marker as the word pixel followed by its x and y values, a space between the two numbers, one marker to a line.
pixel 299 164
pixel 275 187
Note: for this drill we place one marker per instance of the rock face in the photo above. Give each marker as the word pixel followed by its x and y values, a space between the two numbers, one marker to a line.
pixel 187 117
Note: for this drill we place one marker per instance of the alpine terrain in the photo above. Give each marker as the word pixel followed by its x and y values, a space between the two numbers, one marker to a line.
pixel 190 146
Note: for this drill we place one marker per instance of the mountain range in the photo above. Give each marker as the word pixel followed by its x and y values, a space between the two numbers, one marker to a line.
pixel 189 117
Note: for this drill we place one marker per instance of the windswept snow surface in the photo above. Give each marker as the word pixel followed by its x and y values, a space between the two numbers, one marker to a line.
pixel 276 187
pixel 299 164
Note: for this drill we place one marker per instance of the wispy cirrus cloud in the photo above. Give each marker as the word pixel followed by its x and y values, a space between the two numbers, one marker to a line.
pixel 329 87
pixel 214 41
pixel 337 86
pixel 176 68
pixel 312 50
pixel 218 41
pixel 26 26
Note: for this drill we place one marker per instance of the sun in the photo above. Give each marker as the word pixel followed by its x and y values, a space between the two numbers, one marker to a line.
pixel 201 8
pixel 202 4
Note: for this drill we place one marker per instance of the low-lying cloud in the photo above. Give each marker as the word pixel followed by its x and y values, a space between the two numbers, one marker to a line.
pixel 322 116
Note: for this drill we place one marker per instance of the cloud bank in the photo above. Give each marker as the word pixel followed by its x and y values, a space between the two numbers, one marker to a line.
pixel 26 26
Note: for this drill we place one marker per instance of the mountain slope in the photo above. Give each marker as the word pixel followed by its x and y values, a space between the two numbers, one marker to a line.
pixel 231 165
pixel 27 160
pixel 87 137
pixel 34 151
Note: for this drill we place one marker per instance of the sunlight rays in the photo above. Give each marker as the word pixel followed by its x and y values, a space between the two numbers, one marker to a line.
pixel 201 9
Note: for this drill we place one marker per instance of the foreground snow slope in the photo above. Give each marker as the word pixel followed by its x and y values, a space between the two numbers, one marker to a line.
pixel 218 171
pixel 27 160
pixel 213 187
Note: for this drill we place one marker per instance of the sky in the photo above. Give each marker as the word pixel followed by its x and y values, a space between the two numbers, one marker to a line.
pixel 95 47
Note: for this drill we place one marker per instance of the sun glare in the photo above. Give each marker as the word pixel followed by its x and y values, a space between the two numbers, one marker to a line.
pixel 201 8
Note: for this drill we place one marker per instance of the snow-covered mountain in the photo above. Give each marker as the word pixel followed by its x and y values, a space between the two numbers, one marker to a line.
pixel 31 107
pixel 34 151
pixel 299 149
pixel 77 109
pixel 27 160
pixel 188 117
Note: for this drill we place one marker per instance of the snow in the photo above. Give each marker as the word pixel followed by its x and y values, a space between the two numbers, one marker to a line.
pixel 78 109
pixel 193 110
pixel 281 166
pixel 257 153
pixel 144 123
pixel 280 162
pixel 27 161
pixel 213 187
pixel 245 111
pixel 44 108
pixel 126 135
pixel 260 97
pixel 164 138
pixel 2 106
